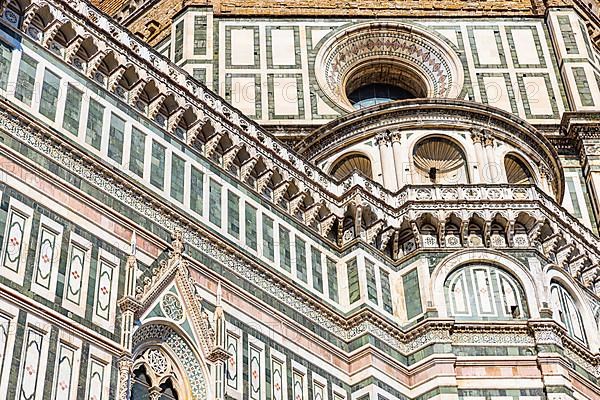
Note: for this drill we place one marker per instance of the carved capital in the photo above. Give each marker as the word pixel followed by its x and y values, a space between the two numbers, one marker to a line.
pixel 477 135
pixel 395 137
pixel 129 304
pixel 382 139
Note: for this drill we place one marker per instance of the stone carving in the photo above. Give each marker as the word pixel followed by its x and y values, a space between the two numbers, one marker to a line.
pixel 397 43
pixel 157 361
pixel 172 308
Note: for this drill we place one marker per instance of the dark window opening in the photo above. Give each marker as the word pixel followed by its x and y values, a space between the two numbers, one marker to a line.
pixel 377 93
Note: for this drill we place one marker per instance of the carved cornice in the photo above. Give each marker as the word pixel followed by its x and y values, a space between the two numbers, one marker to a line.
pixel 129 304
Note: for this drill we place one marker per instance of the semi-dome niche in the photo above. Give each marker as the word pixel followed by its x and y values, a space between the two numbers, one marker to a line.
pixel 410 61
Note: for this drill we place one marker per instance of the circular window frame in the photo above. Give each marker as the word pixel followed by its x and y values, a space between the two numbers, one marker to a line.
pixel 416 53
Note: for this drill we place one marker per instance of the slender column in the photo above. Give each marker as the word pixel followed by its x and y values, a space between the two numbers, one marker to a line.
pixel 397 150
pixel 127 303
pixel 492 163
pixel 219 343
pixel 387 162
pixel 477 137
pixel 123 392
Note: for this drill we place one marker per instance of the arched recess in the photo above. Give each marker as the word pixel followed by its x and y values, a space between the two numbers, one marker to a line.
pixel 345 165
pixel 517 171
pixel 439 160
pixel 490 257
pixel 483 290
pixel 554 274
pixel 193 371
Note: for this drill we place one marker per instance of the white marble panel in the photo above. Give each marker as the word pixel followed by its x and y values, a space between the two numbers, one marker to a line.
pixel 285 96
pixel 487 49
pixel 525 46
pixel 242 46
pixel 243 94
pixel 537 95
pixel 282 47
pixel 497 92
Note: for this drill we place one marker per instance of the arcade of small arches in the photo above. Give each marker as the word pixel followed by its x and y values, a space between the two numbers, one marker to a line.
pixel 434 229
pixel 395 159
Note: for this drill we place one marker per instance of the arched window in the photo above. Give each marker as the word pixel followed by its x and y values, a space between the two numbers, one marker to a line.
pixel 344 167
pixel 484 291
pixel 517 171
pixel 154 376
pixel 440 161
pixel 565 311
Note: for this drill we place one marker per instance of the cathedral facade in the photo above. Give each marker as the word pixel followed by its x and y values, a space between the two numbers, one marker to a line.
pixel 299 200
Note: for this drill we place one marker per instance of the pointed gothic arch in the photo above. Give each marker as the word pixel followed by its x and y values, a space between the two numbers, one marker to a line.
pixel 180 364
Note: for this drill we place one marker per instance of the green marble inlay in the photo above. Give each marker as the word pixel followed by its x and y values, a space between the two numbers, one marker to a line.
pixel 332 280
pixel 317 269
pixel 353 283
pixel 71 116
pixel 214 202
pixel 268 240
pixel 138 149
pixel 233 214
pixel 583 87
pixel 301 271
pixel 157 166
pixel 177 177
pixel 25 84
pixel 371 281
pixel 116 138
pixel 412 294
pixel 386 293
pixel 569 40
pixel 93 135
pixel 5 62
pixel 178 42
pixel 250 225
pixel 285 256
pixel 49 96
pixel 199 35
pixel 196 190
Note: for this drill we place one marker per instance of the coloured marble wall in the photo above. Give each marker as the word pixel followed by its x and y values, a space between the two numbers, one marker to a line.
pixel 266 67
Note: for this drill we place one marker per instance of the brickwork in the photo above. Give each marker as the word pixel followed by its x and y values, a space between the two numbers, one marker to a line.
pixel 372 7
pixel 162 11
